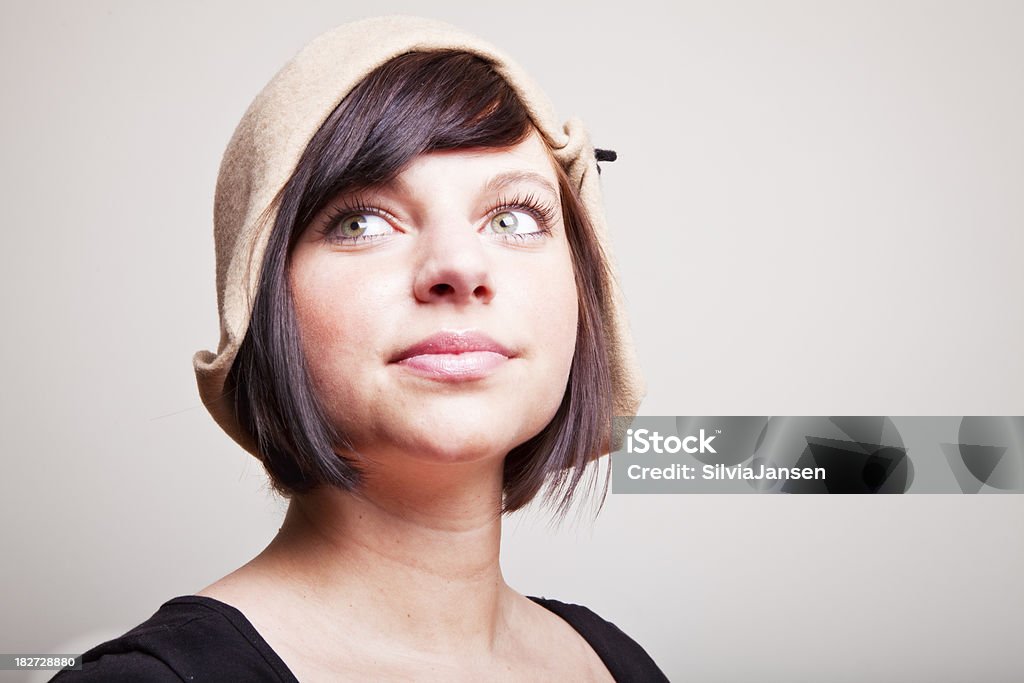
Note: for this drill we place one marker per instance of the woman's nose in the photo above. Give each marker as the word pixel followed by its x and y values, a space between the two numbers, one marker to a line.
pixel 453 267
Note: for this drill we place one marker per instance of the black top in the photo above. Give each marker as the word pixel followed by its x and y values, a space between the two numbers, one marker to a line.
pixel 200 639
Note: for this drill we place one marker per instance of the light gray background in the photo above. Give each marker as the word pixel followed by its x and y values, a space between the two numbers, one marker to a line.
pixel 817 210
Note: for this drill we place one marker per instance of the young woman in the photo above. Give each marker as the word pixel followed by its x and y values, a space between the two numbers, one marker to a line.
pixel 420 330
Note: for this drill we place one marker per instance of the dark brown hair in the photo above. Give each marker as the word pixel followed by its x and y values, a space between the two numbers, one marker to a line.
pixel 415 103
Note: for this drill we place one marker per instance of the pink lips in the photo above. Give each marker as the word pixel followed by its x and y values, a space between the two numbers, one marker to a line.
pixel 454 356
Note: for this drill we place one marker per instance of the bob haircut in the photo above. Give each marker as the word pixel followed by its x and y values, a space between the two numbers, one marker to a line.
pixel 415 103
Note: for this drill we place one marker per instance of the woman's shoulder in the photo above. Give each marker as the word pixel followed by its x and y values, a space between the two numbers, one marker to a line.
pixel 189 638
pixel 623 656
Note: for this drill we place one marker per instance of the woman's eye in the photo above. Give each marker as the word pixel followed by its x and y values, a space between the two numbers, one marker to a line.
pixel 356 225
pixel 513 223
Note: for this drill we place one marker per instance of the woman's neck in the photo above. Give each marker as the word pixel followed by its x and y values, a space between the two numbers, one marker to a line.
pixel 414 558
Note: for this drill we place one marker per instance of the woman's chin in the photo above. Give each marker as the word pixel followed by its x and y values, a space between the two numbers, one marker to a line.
pixel 463 445
pixel 449 429
pixel 456 443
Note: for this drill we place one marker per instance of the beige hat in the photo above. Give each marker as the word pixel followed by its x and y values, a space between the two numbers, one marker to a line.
pixel 273 134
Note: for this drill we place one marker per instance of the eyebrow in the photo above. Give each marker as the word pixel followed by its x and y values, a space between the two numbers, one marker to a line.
pixel 498 182
pixel 513 177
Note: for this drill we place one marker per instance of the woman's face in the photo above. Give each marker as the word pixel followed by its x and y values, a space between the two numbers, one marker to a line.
pixel 438 312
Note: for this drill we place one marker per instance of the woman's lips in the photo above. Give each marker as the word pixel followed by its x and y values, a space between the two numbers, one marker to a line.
pixel 454 356
pixel 455 366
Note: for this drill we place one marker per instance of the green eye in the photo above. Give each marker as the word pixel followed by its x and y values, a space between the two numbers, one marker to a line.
pixel 512 222
pixel 353 226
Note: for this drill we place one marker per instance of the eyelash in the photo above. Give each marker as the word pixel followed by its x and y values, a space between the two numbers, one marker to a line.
pixel 543 212
pixel 353 205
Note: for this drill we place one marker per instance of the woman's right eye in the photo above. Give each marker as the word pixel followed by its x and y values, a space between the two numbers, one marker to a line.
pixel 353 226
